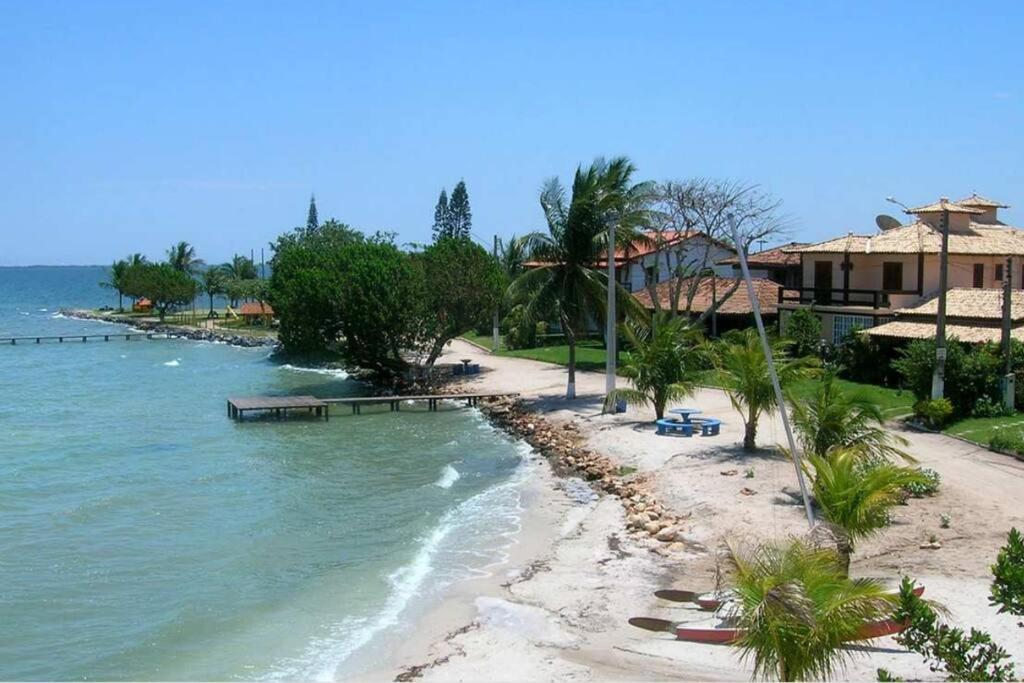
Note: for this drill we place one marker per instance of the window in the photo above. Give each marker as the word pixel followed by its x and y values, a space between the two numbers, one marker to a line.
pixel 999 271
pixel 843 324
pixel 651 275
pixel 979 275
pixel 892 276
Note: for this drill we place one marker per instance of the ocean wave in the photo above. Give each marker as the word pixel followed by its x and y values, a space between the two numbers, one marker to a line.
pixel 484 526
pixel 337 373
pixel 449 475
pixel 173 363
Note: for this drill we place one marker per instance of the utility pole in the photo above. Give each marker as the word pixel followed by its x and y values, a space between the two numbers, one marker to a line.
pixel 610 334
pixel 495 323
pixel 1009 388
pixel 939 376
pixel 756 305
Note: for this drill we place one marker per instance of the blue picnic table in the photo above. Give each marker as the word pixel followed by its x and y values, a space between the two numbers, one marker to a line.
pixel 685 413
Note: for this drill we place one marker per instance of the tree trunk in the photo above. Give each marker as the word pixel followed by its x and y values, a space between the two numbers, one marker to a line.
pixel 211 305
pixel 570 391
pixel 120 302
pixel 750 432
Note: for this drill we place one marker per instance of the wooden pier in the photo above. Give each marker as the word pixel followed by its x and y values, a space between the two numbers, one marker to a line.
pixel 280 405
pixel 60 339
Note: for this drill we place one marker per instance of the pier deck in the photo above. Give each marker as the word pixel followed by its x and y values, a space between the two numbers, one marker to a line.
pixel 278 405
pixel 61 338
pixel 395 402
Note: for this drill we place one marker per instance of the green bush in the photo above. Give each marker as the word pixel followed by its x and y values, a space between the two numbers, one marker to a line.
pixel 803 328
pixel 934 413
pixel 986 407
pixel 972 372
pixel 1008 441
pixel 520 333
pixel 928 486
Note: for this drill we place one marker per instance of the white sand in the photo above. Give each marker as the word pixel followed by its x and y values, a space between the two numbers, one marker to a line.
pixel 558 610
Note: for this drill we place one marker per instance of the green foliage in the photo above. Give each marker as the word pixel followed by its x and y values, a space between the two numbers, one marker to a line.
pixel 935 413
pixel 743 372
pixel 240 268
pixel 803 328
pixel 961 656
pixel 312 220
pixel 213 282
pixel 831 417
pixel 1007 441
pixel 1008 585
pixel 856 500
pixel 664 362
pixel 460 282
pixel 441 224
pixel 118 279
pixel 972 372
pixel 569 284
pixel 927 485
pixel 182 257
pixel 985 406
pixel 796 610
pixel 164 285
pixel 521 333
pixel 460 218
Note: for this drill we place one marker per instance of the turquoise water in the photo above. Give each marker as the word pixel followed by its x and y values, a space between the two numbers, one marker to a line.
pixel 143 535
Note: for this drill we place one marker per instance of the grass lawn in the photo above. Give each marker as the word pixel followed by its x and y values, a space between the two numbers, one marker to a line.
pixel 590 355
pixel 980 429
pixel 483 340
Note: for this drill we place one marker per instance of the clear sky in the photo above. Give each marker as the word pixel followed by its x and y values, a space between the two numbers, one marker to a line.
pixel 127 126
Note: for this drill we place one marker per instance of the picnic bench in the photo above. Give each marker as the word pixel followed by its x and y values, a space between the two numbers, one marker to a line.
pixel 666 426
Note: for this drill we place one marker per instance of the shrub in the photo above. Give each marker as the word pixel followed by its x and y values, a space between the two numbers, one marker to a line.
pixel 928 486
pixel 935 413
pixel 1008 573
pixel 521 334
pixel 1007 440
pixel 972 372
pixel 803 328
pixel 986 407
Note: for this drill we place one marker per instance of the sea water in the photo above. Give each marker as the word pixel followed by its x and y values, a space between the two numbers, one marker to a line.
pixel 144 535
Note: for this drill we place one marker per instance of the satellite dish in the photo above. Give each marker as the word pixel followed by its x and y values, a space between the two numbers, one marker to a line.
pixel 885 222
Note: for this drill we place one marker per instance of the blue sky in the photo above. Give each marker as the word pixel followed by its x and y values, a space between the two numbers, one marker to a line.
pixel 127 126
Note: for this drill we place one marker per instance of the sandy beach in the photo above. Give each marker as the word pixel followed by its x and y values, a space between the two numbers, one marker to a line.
pixel 558 608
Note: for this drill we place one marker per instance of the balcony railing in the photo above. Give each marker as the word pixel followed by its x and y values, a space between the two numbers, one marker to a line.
pixel 837 297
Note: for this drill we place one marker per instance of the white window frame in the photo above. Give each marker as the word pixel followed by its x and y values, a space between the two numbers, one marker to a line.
pixel 842 324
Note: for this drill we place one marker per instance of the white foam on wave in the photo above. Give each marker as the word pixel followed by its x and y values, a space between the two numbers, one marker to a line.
pixel 337 373
pixel 173 363
pixel 43 310
pixel 24 313
pixel 449 475
pixel 485 526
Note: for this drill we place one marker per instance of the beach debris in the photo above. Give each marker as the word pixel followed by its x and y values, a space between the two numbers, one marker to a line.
pixel 729 473
pixel 746 491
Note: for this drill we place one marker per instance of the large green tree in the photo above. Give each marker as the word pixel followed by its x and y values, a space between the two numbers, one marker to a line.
pixel 165 286
pixel 460 218
pixel 442 225
pixel 312 220
pixel 118 278
pixel 213 282
pixel 568 281
pixel 460 282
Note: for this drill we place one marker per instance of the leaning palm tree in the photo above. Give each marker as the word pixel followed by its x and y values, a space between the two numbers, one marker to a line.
pixel 855 494
pixel 663 363
pixel 182 257
pixel 795 609
pixel 116 280
pixel 566 280
pixel 743 371
pixel 833 418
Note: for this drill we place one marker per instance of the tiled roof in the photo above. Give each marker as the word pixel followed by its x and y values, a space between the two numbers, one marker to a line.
pixel 944 205
pixel 924 330
pixel 979 239
pixel 256 308
pixel 708 291
pixel 964 302
pixel 977 201
pixel 775 257
pixel 656 241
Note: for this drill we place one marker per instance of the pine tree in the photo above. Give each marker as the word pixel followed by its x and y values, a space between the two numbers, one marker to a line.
pixel 441 217
pixel 312 220
pixel 461 219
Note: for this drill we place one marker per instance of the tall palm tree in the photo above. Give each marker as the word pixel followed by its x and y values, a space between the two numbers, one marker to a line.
pixel 512 254
pixel 569 283
pixel 833 418
pixel 213 283
pixel 116 280
pixel 182 257
pixel 855 495
pixel 743 371
pixel 240 268
pixel 796 609
pixel 663 363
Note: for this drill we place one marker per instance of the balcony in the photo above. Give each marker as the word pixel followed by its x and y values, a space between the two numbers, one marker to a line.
pixel 871 298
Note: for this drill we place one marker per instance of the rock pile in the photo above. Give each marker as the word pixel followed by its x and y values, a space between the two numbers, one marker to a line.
pixel 196 334
pixel 563 447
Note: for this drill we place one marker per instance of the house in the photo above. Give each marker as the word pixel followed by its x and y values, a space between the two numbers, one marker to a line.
pixel 778 264
pixel 658 257
pixel 863 280
pixel 972 315
pixel 142 305
pixel 736 311
pixel 255 311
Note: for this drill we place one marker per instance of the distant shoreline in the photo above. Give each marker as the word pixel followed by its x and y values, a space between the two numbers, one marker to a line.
pixel 233 338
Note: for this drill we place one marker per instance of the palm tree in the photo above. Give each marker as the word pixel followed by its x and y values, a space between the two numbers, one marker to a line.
pixel 213 282
pixel 855 494
pixel 832 418
pixel 182 257
pixel 743 371
pixel 663 362
pixel 796 609
pixel 568 283
pixel 512 254
pixel 116 280
pixel 240 268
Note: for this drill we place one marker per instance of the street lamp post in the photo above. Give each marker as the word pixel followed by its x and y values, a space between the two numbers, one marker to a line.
pixel 495 323
pixel 610 336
